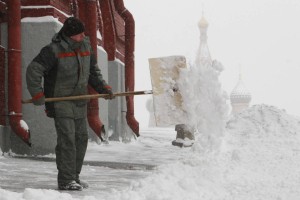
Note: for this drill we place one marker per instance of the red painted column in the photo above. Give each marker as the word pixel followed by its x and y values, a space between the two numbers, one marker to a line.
pixel 129 62
pixel 82 9
pixel 91 30
pixel 15 71
pixel 109 35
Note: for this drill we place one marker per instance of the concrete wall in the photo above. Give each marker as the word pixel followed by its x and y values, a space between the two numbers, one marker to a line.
pixel 35 35
pixel 118 128
pixel 4 138
pixel 43 136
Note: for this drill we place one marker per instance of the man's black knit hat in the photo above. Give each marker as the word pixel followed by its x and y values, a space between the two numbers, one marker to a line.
pixel 72 26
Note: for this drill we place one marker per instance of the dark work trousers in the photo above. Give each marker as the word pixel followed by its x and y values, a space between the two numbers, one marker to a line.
pixel 72 139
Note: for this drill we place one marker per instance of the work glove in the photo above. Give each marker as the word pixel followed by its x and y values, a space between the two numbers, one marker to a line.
pixel 38 99
pixel 107 90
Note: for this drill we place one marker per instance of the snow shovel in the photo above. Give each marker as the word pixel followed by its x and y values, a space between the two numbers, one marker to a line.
pixel 167 98
pixel 91 96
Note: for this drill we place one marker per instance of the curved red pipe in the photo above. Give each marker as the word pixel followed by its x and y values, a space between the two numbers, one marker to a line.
pixel 15 71
pixel 91 30
pixel 94 120
pixel 129 62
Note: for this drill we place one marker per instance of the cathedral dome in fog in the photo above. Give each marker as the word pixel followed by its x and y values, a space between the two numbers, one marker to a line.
pixel 240 94
pixel 203 23
pixel 240 97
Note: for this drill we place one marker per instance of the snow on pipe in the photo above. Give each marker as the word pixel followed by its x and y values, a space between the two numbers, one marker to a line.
pixel 75 8
pixel 14 72
pixel 91 29
pixel 129 62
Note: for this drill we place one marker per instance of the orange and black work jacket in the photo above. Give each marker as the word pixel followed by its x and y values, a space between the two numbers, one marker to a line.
pixel 67 68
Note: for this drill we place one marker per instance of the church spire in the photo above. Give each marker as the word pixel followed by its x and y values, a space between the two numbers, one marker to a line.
pixel 203 56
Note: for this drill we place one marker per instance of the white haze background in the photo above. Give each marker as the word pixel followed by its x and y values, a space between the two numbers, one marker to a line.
pixel 262 37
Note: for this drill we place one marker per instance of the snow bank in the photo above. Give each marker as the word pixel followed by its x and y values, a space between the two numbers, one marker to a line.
pixel 263 154
pixel 260 159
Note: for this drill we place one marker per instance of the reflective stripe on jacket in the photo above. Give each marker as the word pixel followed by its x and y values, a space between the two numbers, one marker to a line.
pixel 67 69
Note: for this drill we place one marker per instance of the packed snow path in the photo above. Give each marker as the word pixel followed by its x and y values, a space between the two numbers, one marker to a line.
pixel 107 168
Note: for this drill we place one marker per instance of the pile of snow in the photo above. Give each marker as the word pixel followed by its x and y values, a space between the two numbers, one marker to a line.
pixel 263 154
pixel 205 102
pixel 259 159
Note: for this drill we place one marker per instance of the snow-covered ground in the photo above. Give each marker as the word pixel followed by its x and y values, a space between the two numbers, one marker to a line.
pixel 259 159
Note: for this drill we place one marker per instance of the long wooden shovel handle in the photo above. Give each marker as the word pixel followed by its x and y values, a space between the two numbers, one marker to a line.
pixel 91 96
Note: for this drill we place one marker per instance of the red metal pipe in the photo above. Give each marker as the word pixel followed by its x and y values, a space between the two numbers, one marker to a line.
pixel 91 30
pixel 14 71
pixel 81 10
pixel 129 62
pixel 94 120
pixel 100 22
pixel 109 35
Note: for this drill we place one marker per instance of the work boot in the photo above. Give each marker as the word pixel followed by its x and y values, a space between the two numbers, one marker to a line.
pixel 83 184
pixel 70 186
